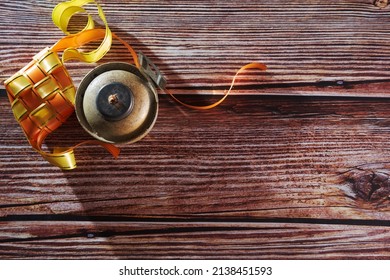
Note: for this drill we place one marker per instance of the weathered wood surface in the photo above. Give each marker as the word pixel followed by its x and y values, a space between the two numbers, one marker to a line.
pixel 311 47
pixel 254 160
pixel 257 177
pixel 172 240
pixel 250 157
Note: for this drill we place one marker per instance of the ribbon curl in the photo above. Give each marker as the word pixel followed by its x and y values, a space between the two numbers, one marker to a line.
pixel 253 65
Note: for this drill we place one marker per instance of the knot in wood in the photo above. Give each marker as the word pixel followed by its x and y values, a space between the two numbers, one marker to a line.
pixel 370 185
pixel 381 3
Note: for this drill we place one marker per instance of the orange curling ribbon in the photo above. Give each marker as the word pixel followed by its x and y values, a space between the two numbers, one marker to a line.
pixel 253 65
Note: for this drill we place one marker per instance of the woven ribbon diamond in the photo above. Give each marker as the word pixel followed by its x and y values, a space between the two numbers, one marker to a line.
pixel 41 95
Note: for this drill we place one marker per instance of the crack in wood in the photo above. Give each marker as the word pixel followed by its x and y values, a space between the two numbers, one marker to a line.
pixel 189 219
pixel 146 232
pixel 336 83
pixel 76 200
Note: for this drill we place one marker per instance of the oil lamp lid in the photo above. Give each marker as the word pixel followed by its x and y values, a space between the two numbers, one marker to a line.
pixel 116 103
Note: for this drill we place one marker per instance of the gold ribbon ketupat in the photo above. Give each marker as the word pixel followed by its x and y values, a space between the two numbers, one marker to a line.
pixel 42 93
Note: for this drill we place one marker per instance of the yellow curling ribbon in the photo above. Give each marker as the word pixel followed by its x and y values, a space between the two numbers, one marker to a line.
pixel 61 16
pixel 42 94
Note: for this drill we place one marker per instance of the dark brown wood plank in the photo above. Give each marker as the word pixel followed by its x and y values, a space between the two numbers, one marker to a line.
pixel 250 157
pixel 200 44
pixel 186 240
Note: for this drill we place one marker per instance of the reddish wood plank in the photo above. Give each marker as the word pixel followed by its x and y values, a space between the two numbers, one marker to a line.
pixel 200 44
pixel 250 157
pixel 186 240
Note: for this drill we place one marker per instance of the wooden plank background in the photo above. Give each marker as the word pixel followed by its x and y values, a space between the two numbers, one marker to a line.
pixel 311 47
pixel 264 175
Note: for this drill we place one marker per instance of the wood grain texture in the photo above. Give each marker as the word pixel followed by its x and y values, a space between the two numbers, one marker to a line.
pixel 186 240
pixel 251 157
pixel 198 45
pixel 257 177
